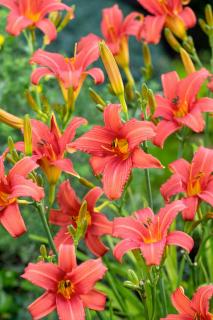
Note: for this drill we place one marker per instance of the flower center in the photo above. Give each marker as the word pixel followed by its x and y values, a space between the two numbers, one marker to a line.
pixel 46 149
pixel 153 231
pixel 66 288
pixel 194 185
pixel 5 200
pixel 121 147
pixel 87 217
pixel 180 107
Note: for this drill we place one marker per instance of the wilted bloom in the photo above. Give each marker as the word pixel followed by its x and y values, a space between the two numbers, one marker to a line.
pixel 12 186
pixel 70 72
pixel 194 179
pixel 69 287
pixel 149 233
pixel 31 13
pixel 69 214
pixel 170 14
pixel 49 147
pixel 197 308
pixel 115 149
pixel 180 106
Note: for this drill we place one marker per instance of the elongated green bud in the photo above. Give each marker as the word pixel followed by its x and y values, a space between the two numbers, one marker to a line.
pixel 28 148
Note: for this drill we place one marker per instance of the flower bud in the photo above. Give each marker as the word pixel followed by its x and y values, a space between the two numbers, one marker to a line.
pixel 2 40
pixel 177 26
pixel 27 136
pixel 187 61
pixel 172 41
pixel 69 16
pixel 151 101
pixel 209 15
pixel 11 120
pixel 96 97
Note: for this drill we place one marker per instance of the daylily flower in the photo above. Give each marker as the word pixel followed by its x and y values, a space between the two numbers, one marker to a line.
pixel 164 13
pixel 197 308
pixel 27 14
pixel 68 214
pixel 12 186
pixel 180 106
pixel 210 84
pixel 49 146
pixel 69 287
pixel 116 31
pixel 194 179
pixel 149 233
pixel 115 149
pixel 70 72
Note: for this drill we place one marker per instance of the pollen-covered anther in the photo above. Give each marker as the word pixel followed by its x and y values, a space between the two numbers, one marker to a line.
pixel 66 288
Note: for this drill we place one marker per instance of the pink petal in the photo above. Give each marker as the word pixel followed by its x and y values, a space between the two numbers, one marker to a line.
pixel 70 131
pixel 205 104
pixel 124 246
pixel 144 214
pixel 98 163
pixel 169 82
pixel 22 187
pixel 189 87
pixel 66 166
pixel 58 218
pixel 152 6
pixel 63 237
pixel 94 300
pixel 191 203
pixel 181 239
pixel 42 306
pixel 151 29
pixel 53 5
pixel 9 4
pixel 167 214
pixel 70 309
pixel 95 141
pixel 95 245
pixel 68 200
pixel 86 41
pixel 100 224
pixel 181 302
pixel 39 73
pixel 202 161
pixel 177 317
pixel 116 174
pixel 112 118
pixel 112 16
pixel 48 28
pixel 171 187
pixel 23 167
pixel 163 131
pixel 127 227
pixel 153 252
pixel 136 131
pixel 85 276
pixel 67 258
pixel 92 197
pixel 207 194
pixel 163 108
pixel 200 300
pixel 182 168
pixel 131 23
pixel 194 120
pixel 44 275
pixel 17 23
pixel 143 160
pixel 12 221
pixel 97 75
pixel 188 17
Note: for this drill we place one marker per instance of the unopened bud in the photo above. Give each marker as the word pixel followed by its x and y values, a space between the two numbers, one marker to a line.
pixel 203 25
pixel 209 15
pixel 68 17
pixel 31 101
pixel 96 97
pixel 43 251
pixel 11 120
pixel 172 41
pixel 144 91
pixel 146 55
pixel 27 136
pixel 151 101
pixel 187 61
pixel 133 277
pixel 177 26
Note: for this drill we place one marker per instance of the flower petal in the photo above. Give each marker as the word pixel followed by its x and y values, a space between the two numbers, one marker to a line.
pixel 127 227
pixel 100 224
pixel 95 245
pixel 163 108
pixel 98 163
pixel 44 275
pixel 48 28
pixel 67 199
pixel 191 203
pixel 153 252
pixel 181 239
pixel 207 194
pixel 67 258
pixel 169 82
pixel 152 6
pixel 143 160
pixel 202 161
pixel 194 120
pixel 85 276
pixel 112 118
pixel 151 29
pixel 188 17
pixel 22 187
pixel 17 23
pixel 70 309
pixel 94 300
pixel 97 75
pixel 205 104
pixel 124 246
pixel 66 166
pixel 54 5
pixel 70 131
pixel 42 306
pixel 63 237
pixel 12 221
pixel 23 167
pixel 200 300
pixel 115 175
pixel 163 130
pixel 58 218
pixel 171 187
pixel 181 302
pixel 92 197
pixel 9 4
pixel 181 167
pixel 39 73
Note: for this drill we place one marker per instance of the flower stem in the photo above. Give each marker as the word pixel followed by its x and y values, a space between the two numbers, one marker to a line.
pixel 163 295
pixel 148 182
pixel 42 213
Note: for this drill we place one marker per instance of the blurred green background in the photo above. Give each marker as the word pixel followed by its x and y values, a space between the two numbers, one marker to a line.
pixel 16 294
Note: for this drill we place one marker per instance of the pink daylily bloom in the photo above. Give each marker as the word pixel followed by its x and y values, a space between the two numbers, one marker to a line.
pixel 180 106
pixel 69 287
pixel 116 30
pixel 12 186
pixel 165 13
pixel 149 233
pixel 194 179
pixel 27 14
pixel 68 214
pixel 115 149
pixel 197 308
pixel 49 147
pixel 70 72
